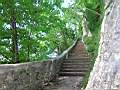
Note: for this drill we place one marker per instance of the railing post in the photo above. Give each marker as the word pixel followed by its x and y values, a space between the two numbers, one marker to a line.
pixel 67 55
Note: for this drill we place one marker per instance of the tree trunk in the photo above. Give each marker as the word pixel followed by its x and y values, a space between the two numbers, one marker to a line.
pixel 15 56
pixel 28 47
pixel 106 71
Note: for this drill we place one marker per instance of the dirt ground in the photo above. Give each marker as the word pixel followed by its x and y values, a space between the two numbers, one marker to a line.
pixel 64 83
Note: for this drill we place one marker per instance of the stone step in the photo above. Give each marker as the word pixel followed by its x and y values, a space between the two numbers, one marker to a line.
pixel 77 56
pixel 78 49
pixel 79 53
pixel 71 55
pixel 74 70
pixel 75 66
pixel 80 58
pixel 77 61
pixel 72 73
pixel 81 46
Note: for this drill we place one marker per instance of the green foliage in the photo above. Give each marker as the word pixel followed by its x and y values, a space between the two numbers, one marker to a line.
pixel 39 29
pixel 94 14
pixel 92 44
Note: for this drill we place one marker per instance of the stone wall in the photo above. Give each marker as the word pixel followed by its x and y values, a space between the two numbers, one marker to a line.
pixel 31 75
pixel 28 76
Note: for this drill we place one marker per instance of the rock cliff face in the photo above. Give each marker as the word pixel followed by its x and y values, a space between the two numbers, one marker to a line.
pixel 106 71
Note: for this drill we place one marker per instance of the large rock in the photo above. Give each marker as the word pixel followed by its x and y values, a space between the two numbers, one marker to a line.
pixel 106 71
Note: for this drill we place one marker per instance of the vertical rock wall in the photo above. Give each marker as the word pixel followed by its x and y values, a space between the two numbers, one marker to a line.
pixel 106 71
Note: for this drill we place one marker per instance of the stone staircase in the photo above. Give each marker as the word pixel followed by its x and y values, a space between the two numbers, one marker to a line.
pixel 72 69
pixel 77 63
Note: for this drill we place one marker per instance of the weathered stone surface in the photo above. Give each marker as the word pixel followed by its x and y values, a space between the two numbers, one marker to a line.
pixel 106 71
pixel 27 76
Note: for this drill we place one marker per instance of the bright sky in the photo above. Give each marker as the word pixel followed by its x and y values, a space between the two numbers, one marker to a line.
pixel 67 3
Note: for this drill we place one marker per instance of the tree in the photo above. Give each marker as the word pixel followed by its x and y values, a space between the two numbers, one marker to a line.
pixel 106 74
pixel 28 30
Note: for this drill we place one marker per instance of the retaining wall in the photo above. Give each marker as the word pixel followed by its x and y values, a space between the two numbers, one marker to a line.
pixel 28 76
pixel 31 75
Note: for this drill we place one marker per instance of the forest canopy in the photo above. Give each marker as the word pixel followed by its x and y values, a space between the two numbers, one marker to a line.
pixel 33 30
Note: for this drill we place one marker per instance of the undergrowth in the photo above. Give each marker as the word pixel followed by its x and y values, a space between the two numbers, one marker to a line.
pixel 92 43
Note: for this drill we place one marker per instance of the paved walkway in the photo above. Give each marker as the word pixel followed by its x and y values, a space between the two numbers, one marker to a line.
pixel 65 83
